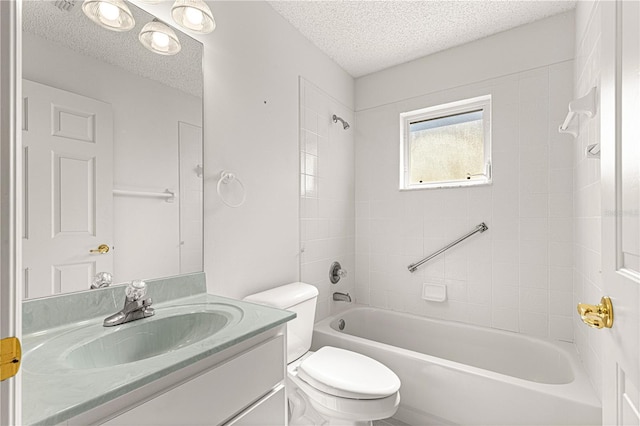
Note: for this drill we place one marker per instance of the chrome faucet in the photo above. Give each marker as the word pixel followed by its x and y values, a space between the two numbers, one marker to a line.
pixel 136 306
pixel 341 297
pixel 101 279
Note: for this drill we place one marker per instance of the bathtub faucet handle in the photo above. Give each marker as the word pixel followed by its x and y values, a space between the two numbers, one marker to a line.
pixel 336 272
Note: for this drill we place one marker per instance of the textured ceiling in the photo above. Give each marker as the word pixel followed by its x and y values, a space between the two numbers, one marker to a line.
pixel 75 31
pixel 367 36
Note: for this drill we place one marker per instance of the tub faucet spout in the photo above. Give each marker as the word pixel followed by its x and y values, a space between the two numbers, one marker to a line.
pixel 341 297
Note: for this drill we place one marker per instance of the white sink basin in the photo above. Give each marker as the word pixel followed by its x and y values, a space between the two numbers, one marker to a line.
pixel 144 339
pixel 92 346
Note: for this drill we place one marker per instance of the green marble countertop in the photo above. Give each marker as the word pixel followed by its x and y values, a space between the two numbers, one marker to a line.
pixel 54 391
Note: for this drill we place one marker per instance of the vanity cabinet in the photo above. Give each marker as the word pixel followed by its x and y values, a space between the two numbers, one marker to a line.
pixel 244 386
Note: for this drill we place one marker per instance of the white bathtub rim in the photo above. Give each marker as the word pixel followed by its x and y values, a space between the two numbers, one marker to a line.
pixel 581 389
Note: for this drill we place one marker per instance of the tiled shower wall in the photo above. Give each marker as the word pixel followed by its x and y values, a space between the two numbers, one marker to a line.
pixel 327 226
pixel 587 277
pixel 517 276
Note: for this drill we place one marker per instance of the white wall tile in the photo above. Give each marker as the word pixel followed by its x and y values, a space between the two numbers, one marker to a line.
pixel 534 300
pixel 506 251
pixel 534 205
pixel 534 276
pixel 534 229
pixel 561 181
pixel 534 252
pixel 505 319
pixel 561 253
pixel 561 278
pixel 327 210
pixel 585 190
pixel 506 297
pixel 560 328
pixel 561 303
pixel 505 272
pixel 560 205
pixel 534 324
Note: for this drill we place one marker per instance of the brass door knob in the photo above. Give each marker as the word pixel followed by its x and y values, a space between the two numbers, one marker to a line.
pixel 102 249
pixel 597 316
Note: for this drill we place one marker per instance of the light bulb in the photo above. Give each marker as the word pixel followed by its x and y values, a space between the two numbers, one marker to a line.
pixel 109 11
pixel 160 39
pixel 194 16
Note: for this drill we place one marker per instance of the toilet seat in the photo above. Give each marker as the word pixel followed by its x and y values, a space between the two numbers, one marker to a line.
pixel 347 374
pixel 355 410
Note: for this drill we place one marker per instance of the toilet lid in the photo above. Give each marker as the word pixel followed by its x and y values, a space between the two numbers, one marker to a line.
pixel 348 374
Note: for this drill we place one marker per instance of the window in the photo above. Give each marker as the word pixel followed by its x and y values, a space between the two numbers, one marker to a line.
pixel 447 145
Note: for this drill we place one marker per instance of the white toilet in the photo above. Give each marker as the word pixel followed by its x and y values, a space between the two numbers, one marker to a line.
pixel 330 386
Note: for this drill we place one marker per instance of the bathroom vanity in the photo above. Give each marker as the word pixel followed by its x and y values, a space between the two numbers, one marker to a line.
pixel 201 359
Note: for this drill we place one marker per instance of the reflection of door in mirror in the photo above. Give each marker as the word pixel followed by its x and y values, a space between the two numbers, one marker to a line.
pixel 191 190
pixel 68 155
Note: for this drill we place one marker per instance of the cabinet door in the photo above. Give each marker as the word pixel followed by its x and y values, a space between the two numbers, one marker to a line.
pixel 269 411
pixel 217 395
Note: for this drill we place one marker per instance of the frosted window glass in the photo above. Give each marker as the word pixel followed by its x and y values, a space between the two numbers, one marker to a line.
pixel 447 148
pixel 446 145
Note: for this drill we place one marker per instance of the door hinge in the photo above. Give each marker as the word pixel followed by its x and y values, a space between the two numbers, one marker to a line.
pixel 10 357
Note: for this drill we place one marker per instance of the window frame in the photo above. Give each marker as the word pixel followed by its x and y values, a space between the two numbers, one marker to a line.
pixel 439 111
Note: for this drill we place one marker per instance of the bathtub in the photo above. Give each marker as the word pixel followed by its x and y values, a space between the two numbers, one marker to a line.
pixel 454 373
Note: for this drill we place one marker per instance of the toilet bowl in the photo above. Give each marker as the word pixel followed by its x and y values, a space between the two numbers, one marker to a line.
pixel 331 386
pixel 341 387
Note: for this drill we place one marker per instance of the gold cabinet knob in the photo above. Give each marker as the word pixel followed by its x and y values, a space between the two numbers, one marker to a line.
pixel 102 249
pixel 597 316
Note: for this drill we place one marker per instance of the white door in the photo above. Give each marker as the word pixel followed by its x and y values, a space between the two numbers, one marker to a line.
pixel 68 184
pixel 191 191
pixel 620 135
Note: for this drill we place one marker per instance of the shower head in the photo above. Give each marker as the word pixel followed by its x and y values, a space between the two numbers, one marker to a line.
pixel 345 125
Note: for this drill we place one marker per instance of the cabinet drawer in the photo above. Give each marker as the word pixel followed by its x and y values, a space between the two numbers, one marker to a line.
pixel 216 395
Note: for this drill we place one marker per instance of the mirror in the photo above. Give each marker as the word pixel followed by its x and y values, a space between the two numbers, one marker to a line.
pixel 112 147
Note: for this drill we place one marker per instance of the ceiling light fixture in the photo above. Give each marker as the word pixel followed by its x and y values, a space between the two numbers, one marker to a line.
pixel 159 38
pixel 193 15
pixel 113 15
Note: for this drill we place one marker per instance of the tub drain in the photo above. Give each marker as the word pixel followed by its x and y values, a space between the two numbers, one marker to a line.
pixel 341 324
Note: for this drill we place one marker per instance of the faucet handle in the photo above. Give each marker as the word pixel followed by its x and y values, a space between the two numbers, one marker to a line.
pixel 336 272
pixel 101 279
pixel 136 290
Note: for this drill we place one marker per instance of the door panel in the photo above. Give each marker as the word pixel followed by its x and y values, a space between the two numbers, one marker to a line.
pixel 74 198
pixel 628 400
pixel 71 124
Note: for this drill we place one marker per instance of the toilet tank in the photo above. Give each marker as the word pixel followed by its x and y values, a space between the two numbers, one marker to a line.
pixel 301 299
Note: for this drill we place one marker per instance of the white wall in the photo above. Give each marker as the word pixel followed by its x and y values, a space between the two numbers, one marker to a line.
pixel 586 190
pixel 327 196
pixel 252 64
pixel 522 48
pixel 518 275
pixel 146 114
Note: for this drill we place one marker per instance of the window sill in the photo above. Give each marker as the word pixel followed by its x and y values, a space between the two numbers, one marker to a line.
pixel 441 185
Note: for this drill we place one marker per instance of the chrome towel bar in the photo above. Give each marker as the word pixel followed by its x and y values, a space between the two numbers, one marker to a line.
pixel 480 228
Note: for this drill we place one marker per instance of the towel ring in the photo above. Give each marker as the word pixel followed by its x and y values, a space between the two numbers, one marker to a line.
pixel 228 177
